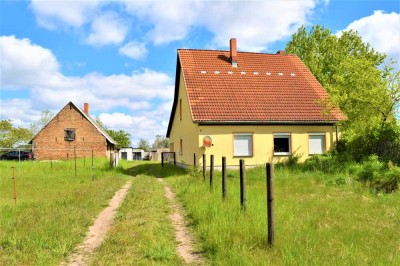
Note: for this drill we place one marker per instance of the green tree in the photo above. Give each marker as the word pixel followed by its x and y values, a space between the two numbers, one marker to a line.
pixel 11 136
pixel 122 138
pixel 160 142
pixel 45 118
pixel 143 144
pixel 348 69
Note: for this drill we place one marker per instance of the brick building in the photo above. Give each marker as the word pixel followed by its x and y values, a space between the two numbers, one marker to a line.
pixel 72 131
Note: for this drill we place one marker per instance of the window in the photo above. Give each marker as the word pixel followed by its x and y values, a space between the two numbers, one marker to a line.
pixel 243 144
pixel 316 143
pixel 69 134
pixel 181 146
pixel 282 144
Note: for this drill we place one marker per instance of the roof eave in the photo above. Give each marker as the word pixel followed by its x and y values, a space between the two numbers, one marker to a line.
pixel 266 122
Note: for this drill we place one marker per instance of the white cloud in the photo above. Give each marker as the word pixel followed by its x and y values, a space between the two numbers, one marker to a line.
pixel 143 92
pixel 381 30
pixel 107 29
pixel 53 14
pixel 24 63
pixel 134 50
pixel 255 23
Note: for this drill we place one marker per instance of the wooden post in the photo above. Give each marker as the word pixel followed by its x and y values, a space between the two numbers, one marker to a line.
pixel 75 158
pixel 174 158
pixel 270 203
pixel 194 159
pixel 211 170
pixel 92 159
pixel 162 159
pixel 15 185
pixel 223 178
pixel 204 167
pixel 242 185
pixel 51 163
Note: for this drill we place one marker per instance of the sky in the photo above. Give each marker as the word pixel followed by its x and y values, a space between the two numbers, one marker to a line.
pixel 120 56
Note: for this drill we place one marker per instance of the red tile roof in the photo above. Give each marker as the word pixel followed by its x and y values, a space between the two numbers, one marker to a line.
pixel 263 88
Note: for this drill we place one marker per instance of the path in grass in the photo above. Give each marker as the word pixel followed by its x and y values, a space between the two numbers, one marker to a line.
pixel 185 249
pixel 99 229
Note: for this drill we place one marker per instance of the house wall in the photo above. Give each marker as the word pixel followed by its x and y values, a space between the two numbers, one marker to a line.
pixel 263 139
pixel 50 143
pixel 184 129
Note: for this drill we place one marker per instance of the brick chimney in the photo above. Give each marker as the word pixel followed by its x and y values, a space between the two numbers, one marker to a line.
pixel 233 51
pixel 86 108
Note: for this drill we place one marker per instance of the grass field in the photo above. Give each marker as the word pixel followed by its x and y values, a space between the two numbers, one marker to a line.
pixel 317 222
pixel 54 208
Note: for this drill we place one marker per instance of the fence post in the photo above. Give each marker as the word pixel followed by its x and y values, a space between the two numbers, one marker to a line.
pixel 270 203
pixel 75 158
pixel 242 185
pixel 174 158
pixel 204 167
pixel 194 160
pixel 211 170
pixel 15 185
pixel 223 178
pixel 162 159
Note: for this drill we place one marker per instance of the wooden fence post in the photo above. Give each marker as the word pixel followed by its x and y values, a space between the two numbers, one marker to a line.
pixel 211 170
pixel 194 159
pixel 162 159
pixel 223 178
pixel 270 203
pixel 15 185
pixel 242 185
pixel 204 167
pixel 75 159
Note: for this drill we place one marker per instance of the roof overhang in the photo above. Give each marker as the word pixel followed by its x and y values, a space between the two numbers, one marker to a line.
pixel 303 123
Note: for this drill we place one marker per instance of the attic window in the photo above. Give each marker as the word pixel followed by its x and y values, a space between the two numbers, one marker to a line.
pixel 203 72
pixel 69 134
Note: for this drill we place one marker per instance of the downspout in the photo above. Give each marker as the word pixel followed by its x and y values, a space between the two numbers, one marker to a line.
pixel 337 135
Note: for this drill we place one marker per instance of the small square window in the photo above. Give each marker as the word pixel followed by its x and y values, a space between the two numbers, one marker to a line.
pixel 282 144
pixel 316 143
pixel 243 144
pixel 69 134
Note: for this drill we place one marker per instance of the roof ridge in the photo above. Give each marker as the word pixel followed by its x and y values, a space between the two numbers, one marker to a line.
pixel 241 52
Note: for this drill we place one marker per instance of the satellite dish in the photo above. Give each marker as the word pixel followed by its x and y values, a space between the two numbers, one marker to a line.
pixel 207 141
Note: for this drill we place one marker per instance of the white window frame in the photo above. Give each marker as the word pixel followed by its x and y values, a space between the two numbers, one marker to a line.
pixel 250 146
pixel 320 134
pixel 283 135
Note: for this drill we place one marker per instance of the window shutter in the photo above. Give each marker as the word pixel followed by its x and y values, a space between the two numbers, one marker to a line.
pixel 242 145
pixel 316 144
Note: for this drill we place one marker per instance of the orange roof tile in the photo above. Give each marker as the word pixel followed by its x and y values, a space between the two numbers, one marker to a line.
pixel 263 88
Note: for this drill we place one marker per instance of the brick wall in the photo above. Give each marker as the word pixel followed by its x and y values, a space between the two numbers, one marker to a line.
pixel 50 144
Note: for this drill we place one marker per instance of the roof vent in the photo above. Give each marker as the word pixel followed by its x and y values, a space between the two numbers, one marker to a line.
pixel 233 51
pixel 281 52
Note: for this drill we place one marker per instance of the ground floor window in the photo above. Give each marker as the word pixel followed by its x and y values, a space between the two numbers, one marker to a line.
pixel 316 143
pixel 243 144
pixel 69 134
pixel 282 144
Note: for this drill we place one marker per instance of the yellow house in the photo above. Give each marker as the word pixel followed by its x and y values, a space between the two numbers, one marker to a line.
pixel 253 106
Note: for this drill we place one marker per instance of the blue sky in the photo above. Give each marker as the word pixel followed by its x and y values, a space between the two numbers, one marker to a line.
pixel 120 56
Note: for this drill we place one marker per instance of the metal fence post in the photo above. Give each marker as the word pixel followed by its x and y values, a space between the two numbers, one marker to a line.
pixel 270 203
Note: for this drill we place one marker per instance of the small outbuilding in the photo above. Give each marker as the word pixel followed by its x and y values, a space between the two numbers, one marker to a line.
pixel 131 154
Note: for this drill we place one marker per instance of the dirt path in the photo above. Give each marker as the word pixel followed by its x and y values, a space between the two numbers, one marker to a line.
pixel 185 247
pixel 98 230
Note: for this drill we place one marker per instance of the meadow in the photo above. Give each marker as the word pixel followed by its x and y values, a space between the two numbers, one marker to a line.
pixel 319 221
pixel 53 209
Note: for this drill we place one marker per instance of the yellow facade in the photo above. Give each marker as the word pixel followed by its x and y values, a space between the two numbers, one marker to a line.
pixel 187 138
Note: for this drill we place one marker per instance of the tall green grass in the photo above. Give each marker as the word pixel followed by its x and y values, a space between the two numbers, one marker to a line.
pixel 317 222
pixel 54 208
